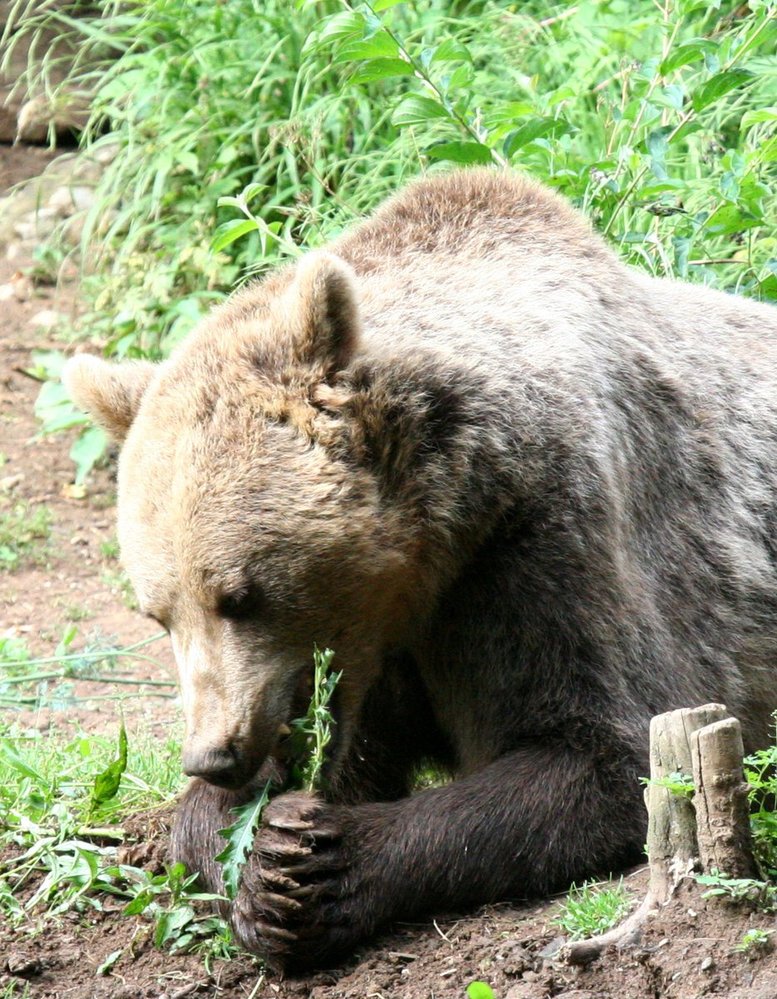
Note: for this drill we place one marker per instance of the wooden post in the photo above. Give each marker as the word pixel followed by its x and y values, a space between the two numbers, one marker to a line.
pixel 721 800
pixel 672 845
pixel 687 833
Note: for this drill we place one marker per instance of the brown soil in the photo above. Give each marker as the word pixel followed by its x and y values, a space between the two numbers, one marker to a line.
pixel 687 952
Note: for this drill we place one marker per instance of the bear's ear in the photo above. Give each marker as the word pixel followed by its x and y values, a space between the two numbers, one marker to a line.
pixel 110 393
pixel 323 312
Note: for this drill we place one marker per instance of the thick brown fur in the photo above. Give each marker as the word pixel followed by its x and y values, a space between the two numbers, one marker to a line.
pixel 527 495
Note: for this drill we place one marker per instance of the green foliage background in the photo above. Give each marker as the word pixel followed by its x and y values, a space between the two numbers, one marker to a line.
pixel 657 119
pixel 240 133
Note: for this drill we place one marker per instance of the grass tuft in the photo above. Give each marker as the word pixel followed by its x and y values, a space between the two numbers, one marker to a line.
pixel 591 909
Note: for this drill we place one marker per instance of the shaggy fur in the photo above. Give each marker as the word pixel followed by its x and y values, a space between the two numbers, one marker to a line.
pixel 525 493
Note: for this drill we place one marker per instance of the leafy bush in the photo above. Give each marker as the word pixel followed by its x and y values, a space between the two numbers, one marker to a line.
pixel 761 775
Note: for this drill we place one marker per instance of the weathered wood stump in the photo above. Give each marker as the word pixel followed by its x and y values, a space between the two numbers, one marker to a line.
pixel 692 827
pixel 721 800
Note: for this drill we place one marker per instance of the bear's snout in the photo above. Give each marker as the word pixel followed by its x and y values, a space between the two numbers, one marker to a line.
pixel 220 765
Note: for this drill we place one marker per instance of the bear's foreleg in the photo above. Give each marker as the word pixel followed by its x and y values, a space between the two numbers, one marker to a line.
pixel 323 876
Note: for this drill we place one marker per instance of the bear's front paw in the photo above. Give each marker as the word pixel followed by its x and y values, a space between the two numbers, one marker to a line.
pixel 297 905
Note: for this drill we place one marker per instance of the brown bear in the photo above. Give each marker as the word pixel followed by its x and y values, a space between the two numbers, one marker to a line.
pixel 529 497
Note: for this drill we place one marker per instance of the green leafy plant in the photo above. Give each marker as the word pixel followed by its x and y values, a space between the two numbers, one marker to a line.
pixel 56 413
pixel 240 839
pixel 591 909
pixel 760 893
pixel 57 860
pixel 305 748
pixel 755 943
pixel 170 899
pixel 679 784
pixel 761 776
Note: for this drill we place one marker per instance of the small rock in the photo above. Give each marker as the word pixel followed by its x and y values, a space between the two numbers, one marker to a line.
pixel 707 964
pixel 46 317
pixel 36 224
pixel 20 252
pixel 105 155
pixel 9 482
pixel 66 201
pixel 72 491
pixel 22 965
pixel 22 287
pixel 550 950
pixel 517 960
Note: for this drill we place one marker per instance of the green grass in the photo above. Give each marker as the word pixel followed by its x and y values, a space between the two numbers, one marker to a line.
pixel 761 776
pixel 14 989
pixel 591 909
pixel 110 549
pixel 49 681
pixel 25 530
pixel 62 803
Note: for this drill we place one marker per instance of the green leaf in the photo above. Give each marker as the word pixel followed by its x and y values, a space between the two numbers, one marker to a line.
pixel 718 86
pixel 460 152
pixel 12 758
pixel 343 25
pixel 240 839
pixel 381 69
pixel 139 903
pixel 106 784
pixel 170 924
pixel 479 990
pixel 248 193
pixel 535 128
pixel 380 5
pixel 728 219
pixel 188 161
pixel 86 451
pixel 380 46
pixel 451 51
pixel 48 363
pixel 230 231
pixel 754 117
pixel 686 53
pixel 417 110
pixel 109 962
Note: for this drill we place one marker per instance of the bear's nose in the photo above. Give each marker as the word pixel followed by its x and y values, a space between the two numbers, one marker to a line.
pixel 215 764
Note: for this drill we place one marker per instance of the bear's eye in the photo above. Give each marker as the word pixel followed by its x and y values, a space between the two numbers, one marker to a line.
pixel 159 621
pixel 239 605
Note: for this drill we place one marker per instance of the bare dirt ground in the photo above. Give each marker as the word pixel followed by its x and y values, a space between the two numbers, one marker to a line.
pixel 689 951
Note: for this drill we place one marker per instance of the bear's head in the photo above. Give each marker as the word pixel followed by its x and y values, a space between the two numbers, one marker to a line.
pixel 245 526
